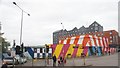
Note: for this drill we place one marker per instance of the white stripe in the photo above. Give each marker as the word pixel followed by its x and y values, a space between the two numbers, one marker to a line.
pixel 38 50
pixel 81 39
pixel 97 41
pixel 50 50
pixel 105 49
pixel 92 41
pixel 32 49
pixel 60 41
pixel 72 40
pixel 87 44
pixel 43 50
pixel 35 55
pixel 65 41
pixel 101 42
pixel 105 42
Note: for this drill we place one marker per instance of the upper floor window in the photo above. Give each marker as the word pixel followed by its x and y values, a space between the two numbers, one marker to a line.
pixel 98 34
pixel 111 41
pixel 96 28
pixel 110 37
pixel 96 24
pixel 95 31
pixel 110 32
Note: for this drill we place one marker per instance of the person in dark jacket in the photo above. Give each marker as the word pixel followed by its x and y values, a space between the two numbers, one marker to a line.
pixel 54 60
pixel 62 61
pixel 109 52
pixel 4 65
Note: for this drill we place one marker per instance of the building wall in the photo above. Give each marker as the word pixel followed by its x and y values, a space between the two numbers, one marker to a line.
pixel 63 34
pixel 112 36
pixel 68 50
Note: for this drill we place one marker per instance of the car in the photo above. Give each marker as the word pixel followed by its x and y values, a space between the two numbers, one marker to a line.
pixel 10 60
pixel 21 59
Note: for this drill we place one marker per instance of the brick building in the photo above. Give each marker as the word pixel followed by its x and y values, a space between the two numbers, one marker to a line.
pixel 112 36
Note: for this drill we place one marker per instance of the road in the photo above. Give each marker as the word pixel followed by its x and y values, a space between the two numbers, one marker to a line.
pixel 111 60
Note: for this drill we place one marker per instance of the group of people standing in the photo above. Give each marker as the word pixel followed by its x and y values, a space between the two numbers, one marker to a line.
pixel 61 61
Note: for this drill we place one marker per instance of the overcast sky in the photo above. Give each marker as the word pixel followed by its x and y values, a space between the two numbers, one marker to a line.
pixel 46 16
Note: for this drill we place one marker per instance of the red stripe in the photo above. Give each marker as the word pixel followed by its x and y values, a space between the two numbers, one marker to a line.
pixel 106 42
pixel 75 51
pixel 103 45
pixel 76 39
pixel 53 47
pixel 85 40
pixel 68 40
pixel 85 50
pixel 62 41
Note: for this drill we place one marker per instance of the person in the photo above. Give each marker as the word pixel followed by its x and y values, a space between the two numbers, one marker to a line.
pixel 109 52
pixel 54 60
pixel 82 55
pixel 61 61
pixel 4 65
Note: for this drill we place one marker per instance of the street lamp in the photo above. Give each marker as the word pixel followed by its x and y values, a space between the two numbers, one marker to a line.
pixel 21 20
pixel 62 30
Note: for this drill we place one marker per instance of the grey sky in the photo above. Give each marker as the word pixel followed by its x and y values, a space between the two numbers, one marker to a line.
pixel 46 16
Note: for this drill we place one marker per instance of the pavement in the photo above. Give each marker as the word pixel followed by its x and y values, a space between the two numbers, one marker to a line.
pixel 107 60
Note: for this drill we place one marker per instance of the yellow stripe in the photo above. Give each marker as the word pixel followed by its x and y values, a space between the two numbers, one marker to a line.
pixel 58 50
pixel 79 51
pixel 70 50
pixel 87 54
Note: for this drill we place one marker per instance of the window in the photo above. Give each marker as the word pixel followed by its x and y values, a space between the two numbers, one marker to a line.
pixel 98 34
pixel 91 28
pixel 111 41
pixel 96 28
pixel 102 34
pixel 110 37
pixel 96 24
pixel 110 32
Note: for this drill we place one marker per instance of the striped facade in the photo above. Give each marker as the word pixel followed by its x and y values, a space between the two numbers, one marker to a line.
pixel 87 44
pixel 38 52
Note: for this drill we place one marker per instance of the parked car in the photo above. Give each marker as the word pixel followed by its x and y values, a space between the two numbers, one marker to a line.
pixel 10 60
pixel 21 59
pixel 5 55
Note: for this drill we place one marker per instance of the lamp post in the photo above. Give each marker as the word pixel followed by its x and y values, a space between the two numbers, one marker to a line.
pixel 21 20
